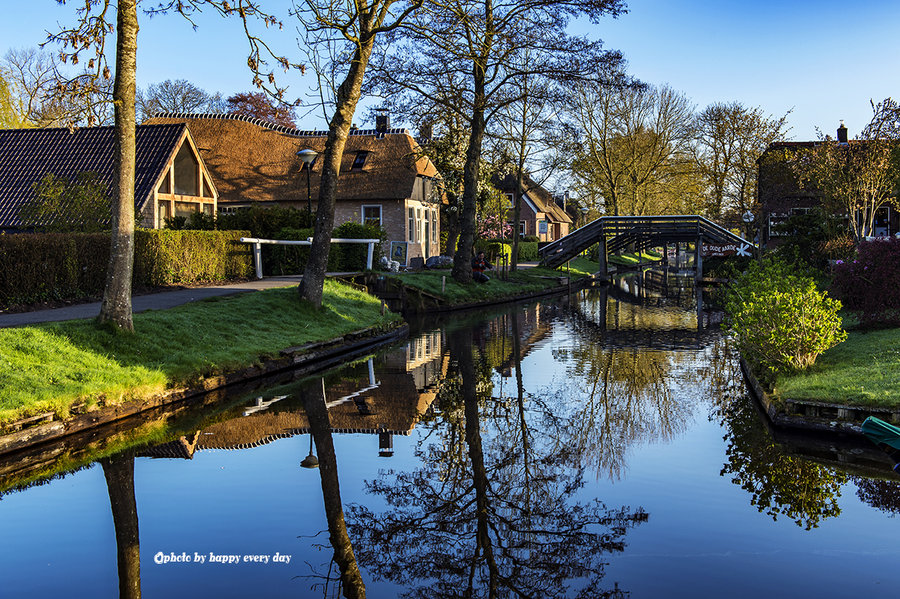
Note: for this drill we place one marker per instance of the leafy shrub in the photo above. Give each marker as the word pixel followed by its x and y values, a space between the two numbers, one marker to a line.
pixel 265 222
pixel 493 250
pixel 781 321
pixel 342 257
pixel 528 251
pixel 870 284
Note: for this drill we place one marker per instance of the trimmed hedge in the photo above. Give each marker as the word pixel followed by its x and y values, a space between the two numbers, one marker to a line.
pixel 165 257
pixel 41 267
pixel 870 284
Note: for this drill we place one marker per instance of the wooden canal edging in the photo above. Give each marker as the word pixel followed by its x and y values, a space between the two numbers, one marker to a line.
pixel 813 415
pixel 28 432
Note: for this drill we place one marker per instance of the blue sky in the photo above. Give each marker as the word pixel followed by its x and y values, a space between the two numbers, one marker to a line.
pixel 824 59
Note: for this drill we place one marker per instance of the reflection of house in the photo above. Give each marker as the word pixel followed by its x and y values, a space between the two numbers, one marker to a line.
pixel 384 178
pixel 386 401
pixel 782 195
pixel 171 178
pixel 540 215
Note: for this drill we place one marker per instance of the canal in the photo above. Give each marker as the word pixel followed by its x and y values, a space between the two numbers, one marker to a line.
pixel 597 445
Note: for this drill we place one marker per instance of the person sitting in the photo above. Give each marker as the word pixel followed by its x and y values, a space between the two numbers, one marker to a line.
pixel 479 264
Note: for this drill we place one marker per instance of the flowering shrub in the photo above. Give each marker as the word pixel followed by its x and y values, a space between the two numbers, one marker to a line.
pixel 781 321
pixel 491 227
pixel 870 284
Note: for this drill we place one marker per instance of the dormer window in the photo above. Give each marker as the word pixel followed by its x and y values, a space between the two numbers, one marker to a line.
pixel 359 161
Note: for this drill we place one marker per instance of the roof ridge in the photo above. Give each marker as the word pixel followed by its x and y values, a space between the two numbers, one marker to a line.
pixel 268 125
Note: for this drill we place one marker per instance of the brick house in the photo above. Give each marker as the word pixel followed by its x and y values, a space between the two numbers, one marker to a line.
pixel 170 178
pixel 782 195
pixel 384 177
pixel 539 214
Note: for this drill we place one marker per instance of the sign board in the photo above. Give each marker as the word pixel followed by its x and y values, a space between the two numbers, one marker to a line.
pixel 542 227
pixel 399 252
pixel 721 250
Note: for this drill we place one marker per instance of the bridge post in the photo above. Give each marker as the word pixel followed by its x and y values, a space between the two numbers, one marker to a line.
pixel 698 260
pixel 604 269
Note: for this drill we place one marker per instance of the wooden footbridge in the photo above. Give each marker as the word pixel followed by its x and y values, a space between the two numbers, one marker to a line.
pixel 640 233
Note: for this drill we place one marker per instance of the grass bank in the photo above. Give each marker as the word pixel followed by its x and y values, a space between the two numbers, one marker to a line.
pixel 864 370
pixel 53 366
pixel 523 281
pixel 633 259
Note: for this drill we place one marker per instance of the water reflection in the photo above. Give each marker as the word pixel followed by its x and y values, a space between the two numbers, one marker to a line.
pixel 119 473
pixel 472 461
pixel 491 510
pixel 779 484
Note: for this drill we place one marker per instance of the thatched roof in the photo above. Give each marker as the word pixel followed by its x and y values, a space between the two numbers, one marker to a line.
pixel 254 161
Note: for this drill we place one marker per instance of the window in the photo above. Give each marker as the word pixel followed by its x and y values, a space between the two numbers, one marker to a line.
pixel 523 228
pixel 511 199
pixel 164 186
pixel 412 224
pixel 359 161
pixel 434 226
pixel 187 172
pixel 163 213
pixel 427 235
pixel 418 224
pixel 185 208
pixel 371 215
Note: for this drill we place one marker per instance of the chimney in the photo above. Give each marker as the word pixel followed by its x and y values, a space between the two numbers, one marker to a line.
pixel 382 122
pixel 842 134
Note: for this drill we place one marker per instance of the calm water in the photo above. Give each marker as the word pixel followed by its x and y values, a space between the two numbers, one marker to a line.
pixel 602 446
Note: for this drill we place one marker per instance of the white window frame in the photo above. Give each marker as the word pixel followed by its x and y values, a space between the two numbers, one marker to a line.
pixel 362 213
pixel 411 224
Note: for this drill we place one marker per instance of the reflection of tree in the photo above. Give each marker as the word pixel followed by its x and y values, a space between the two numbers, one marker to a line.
pixel 503 522
pixel 778 484
pixel 119 473
pixel 882 495
pixel 317 414
pixel 619 396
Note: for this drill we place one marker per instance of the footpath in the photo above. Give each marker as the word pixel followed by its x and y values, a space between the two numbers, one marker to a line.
pixel 151 301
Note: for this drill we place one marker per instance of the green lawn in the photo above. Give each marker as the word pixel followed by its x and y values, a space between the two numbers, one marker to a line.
pixel 52 366
pixel 864 370
pixel 524 280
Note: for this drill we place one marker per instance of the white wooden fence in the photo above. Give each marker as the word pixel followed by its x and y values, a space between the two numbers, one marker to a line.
pixel 257 248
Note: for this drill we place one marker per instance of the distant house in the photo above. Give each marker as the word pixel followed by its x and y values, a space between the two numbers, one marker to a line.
pixel 384 178
pixel 170 180
pixel 539 214
pixel 782 195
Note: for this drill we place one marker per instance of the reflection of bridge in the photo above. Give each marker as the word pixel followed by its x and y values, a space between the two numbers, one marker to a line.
pixel 615 233
pixel 613 335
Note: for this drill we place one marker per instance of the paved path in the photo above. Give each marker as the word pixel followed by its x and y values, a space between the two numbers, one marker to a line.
pixel 150 301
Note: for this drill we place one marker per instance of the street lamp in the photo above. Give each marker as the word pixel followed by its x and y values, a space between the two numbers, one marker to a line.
pixel 308 157
pixel 310 461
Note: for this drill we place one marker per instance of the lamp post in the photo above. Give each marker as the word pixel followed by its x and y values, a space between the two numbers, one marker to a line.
pixel 308 156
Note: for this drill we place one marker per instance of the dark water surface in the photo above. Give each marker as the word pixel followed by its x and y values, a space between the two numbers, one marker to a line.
pixel 598 446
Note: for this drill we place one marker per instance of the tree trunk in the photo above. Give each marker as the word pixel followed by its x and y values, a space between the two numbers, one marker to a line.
pixel 320 429
pixel 348 95
pixel 119 473
pixel 462 267
pixel 116 305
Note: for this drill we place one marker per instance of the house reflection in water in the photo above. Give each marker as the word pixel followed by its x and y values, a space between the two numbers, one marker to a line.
pixel 386 397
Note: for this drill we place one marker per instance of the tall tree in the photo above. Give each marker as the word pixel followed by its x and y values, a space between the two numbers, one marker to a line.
pixel 261 106
pixel 39 96
pixel 469 44
pixel 730 138
pixel 356 23
pixel 176 96
pixel 90 32
pixel 631 142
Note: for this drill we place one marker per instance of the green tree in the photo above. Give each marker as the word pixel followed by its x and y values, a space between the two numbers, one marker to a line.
pixel 730 138
pixel 61 206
